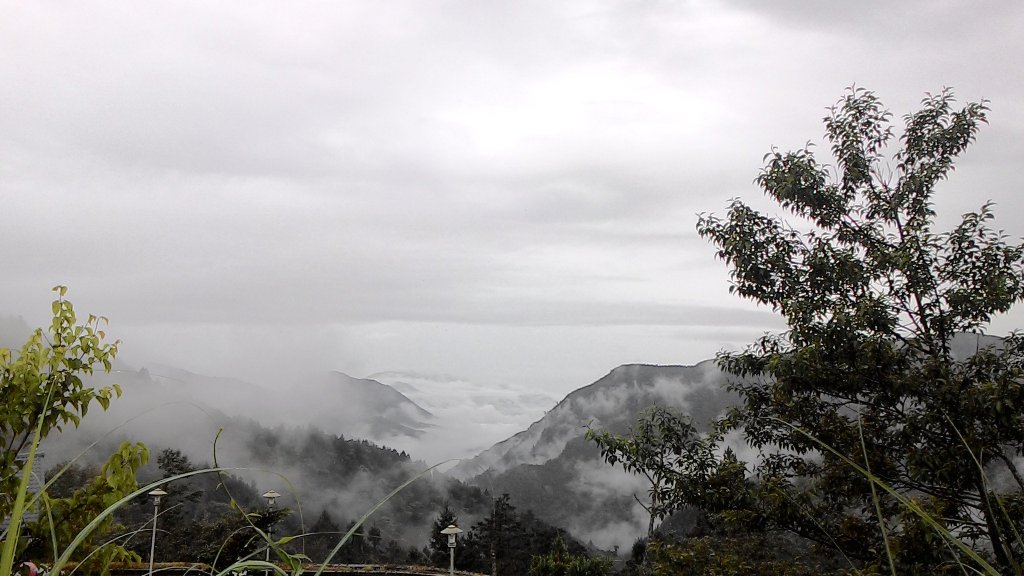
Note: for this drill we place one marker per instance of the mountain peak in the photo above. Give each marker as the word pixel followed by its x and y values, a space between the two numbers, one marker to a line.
pixel 612 402
pixel 374 397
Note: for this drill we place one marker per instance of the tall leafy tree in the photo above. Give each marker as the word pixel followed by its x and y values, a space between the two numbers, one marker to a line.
pixel 874 368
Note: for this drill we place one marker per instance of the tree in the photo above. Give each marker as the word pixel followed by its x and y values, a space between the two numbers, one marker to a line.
pixel 680 465
pixel 665 448
pixel 496 543
pixel 43 390
pixel 178 509
pixel 500 532
pixel 324 535
pixel 354 549
pixel 438 543
pixel 874 369
pixel 559 562
pixel 374 537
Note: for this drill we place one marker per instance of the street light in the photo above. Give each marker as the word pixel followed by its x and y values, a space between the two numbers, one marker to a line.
pixel 451 531
pixel 156 494
pixel 271 496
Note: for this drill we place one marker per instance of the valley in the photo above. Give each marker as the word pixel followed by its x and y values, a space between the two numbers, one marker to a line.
pixel 546 466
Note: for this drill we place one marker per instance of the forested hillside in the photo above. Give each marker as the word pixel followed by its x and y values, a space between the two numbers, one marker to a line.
pixel 559 474
pixel 326 483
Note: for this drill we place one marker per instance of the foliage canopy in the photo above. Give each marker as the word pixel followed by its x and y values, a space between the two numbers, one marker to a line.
pixel 41 385
pixel 883 362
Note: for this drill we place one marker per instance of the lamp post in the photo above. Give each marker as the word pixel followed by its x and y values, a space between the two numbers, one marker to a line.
pixel 271 496
pixel 156 494
pixel 451 531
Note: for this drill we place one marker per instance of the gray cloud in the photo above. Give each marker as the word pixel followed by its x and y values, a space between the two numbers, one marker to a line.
pixel 353 184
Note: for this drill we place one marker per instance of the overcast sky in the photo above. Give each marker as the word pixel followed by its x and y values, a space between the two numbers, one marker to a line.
pixel 501 191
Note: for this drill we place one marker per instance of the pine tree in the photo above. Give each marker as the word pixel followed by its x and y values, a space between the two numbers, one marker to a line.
pixel 438 546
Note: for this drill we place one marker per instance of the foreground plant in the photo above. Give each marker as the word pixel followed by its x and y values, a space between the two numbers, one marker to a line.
pixel 559 562
pixel 43 391
pixel 61 519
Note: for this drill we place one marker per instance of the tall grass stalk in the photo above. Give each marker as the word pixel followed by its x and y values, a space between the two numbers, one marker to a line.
pixel 370 512
pixel 248 517
pixel 983 566
pixel 878 505
pixel 988 502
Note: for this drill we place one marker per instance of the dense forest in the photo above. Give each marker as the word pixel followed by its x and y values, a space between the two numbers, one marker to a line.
pixel 212 518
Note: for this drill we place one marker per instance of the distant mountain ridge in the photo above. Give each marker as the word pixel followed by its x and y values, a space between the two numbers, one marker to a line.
pixel 561 476
pixel 612 402
pixel 376 395
pixel 366 408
